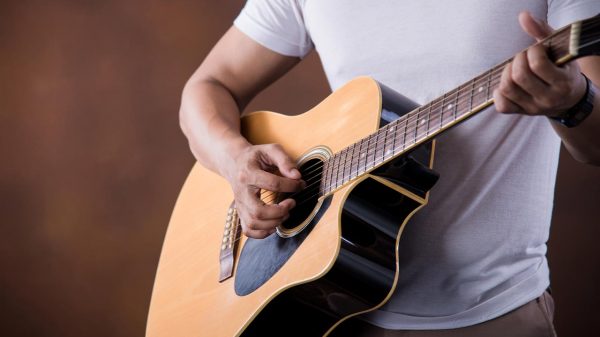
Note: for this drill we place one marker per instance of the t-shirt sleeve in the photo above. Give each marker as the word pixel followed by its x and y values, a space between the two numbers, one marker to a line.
pixel 277 25
pixel 564 12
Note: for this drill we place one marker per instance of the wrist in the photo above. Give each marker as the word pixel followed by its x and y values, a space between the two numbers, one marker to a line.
pixel 230 151
pixel 581 110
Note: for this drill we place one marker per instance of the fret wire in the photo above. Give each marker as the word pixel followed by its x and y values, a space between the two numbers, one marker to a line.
pixel 471 96
pixel 355 161
pixel 351 152
pixel 324 173
pixel 385 138
pixel 417 125
pixel 428 119
pixel 345 162
pixel 365 154
pixel 375 148
pixel 489 81
pixel 442 112
pixel 404 136
pixel 334 170
pixel 456 104
pixel 360 144
pixel 337 169
pixel 394 138
pixel 372 162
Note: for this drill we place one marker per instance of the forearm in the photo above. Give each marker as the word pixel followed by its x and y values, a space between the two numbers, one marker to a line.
pixel 210 119
pixel 583 141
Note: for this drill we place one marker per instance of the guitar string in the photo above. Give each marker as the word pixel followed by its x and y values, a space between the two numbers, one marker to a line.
pixel 590 43
pixel 441 114
pixel 434 105
pixel 394 151
pixel 410 127
pixel 388 141
pixel 431 115
pixel 556 39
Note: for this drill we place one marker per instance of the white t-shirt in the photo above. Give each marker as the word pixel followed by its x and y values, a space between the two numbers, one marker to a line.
pixel 478 249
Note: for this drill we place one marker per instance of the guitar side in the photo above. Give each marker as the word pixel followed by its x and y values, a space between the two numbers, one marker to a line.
pixel 187 298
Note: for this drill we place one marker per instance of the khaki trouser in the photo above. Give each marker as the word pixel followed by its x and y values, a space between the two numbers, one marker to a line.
pixel 533 319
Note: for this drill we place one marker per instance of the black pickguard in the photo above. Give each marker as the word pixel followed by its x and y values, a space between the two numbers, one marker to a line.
pixel 262 258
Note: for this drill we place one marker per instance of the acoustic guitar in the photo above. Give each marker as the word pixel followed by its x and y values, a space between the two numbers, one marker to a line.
pixel 336 255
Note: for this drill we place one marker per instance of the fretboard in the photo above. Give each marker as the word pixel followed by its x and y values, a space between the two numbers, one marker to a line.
pixel 424 123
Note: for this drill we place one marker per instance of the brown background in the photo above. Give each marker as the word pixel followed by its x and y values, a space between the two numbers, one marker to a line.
pixel 92 160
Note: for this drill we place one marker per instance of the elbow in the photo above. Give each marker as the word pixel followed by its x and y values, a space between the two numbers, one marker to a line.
pixel 184 112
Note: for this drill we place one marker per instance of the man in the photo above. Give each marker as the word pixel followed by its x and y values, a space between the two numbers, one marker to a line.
pixel 473 261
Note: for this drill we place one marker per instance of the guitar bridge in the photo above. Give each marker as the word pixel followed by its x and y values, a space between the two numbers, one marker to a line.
pixel 231 235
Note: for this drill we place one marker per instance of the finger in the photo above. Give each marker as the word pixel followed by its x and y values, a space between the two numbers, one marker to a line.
pixel 273 182
pixel 510 90
pixel 262 225
pixel 258 234
pixel 536 28
pixel 504 105
pixel 255 209
pixel 543 67
pixel 288 203
pixel 284 163
pixel 525 78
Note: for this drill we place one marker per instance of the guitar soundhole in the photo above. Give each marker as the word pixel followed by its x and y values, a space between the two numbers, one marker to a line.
pixel 307 200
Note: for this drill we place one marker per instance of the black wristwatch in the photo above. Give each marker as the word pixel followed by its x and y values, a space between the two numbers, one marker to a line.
pixel 581 110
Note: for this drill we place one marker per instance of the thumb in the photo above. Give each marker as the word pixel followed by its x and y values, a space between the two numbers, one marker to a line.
pixel 536 28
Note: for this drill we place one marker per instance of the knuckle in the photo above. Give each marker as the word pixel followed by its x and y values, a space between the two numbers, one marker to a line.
pixel 519 76
pixel 505 89
pixel 247 227
pixel 501 107
pixel 535 64
pixel 242 176
pixel 254 214
pixel 275 185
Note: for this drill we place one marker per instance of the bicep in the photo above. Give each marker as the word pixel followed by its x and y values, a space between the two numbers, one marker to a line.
pixel 242 66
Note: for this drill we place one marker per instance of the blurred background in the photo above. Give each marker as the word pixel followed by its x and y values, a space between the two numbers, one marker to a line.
pixel 92 160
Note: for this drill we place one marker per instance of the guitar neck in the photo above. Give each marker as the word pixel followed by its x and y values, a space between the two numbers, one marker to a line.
pixel 424 123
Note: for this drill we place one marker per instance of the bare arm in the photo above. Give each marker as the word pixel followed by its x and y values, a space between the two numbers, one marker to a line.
pixel 235 70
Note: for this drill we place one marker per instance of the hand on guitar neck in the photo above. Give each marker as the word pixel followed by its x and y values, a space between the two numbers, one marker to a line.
pixel 534 85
